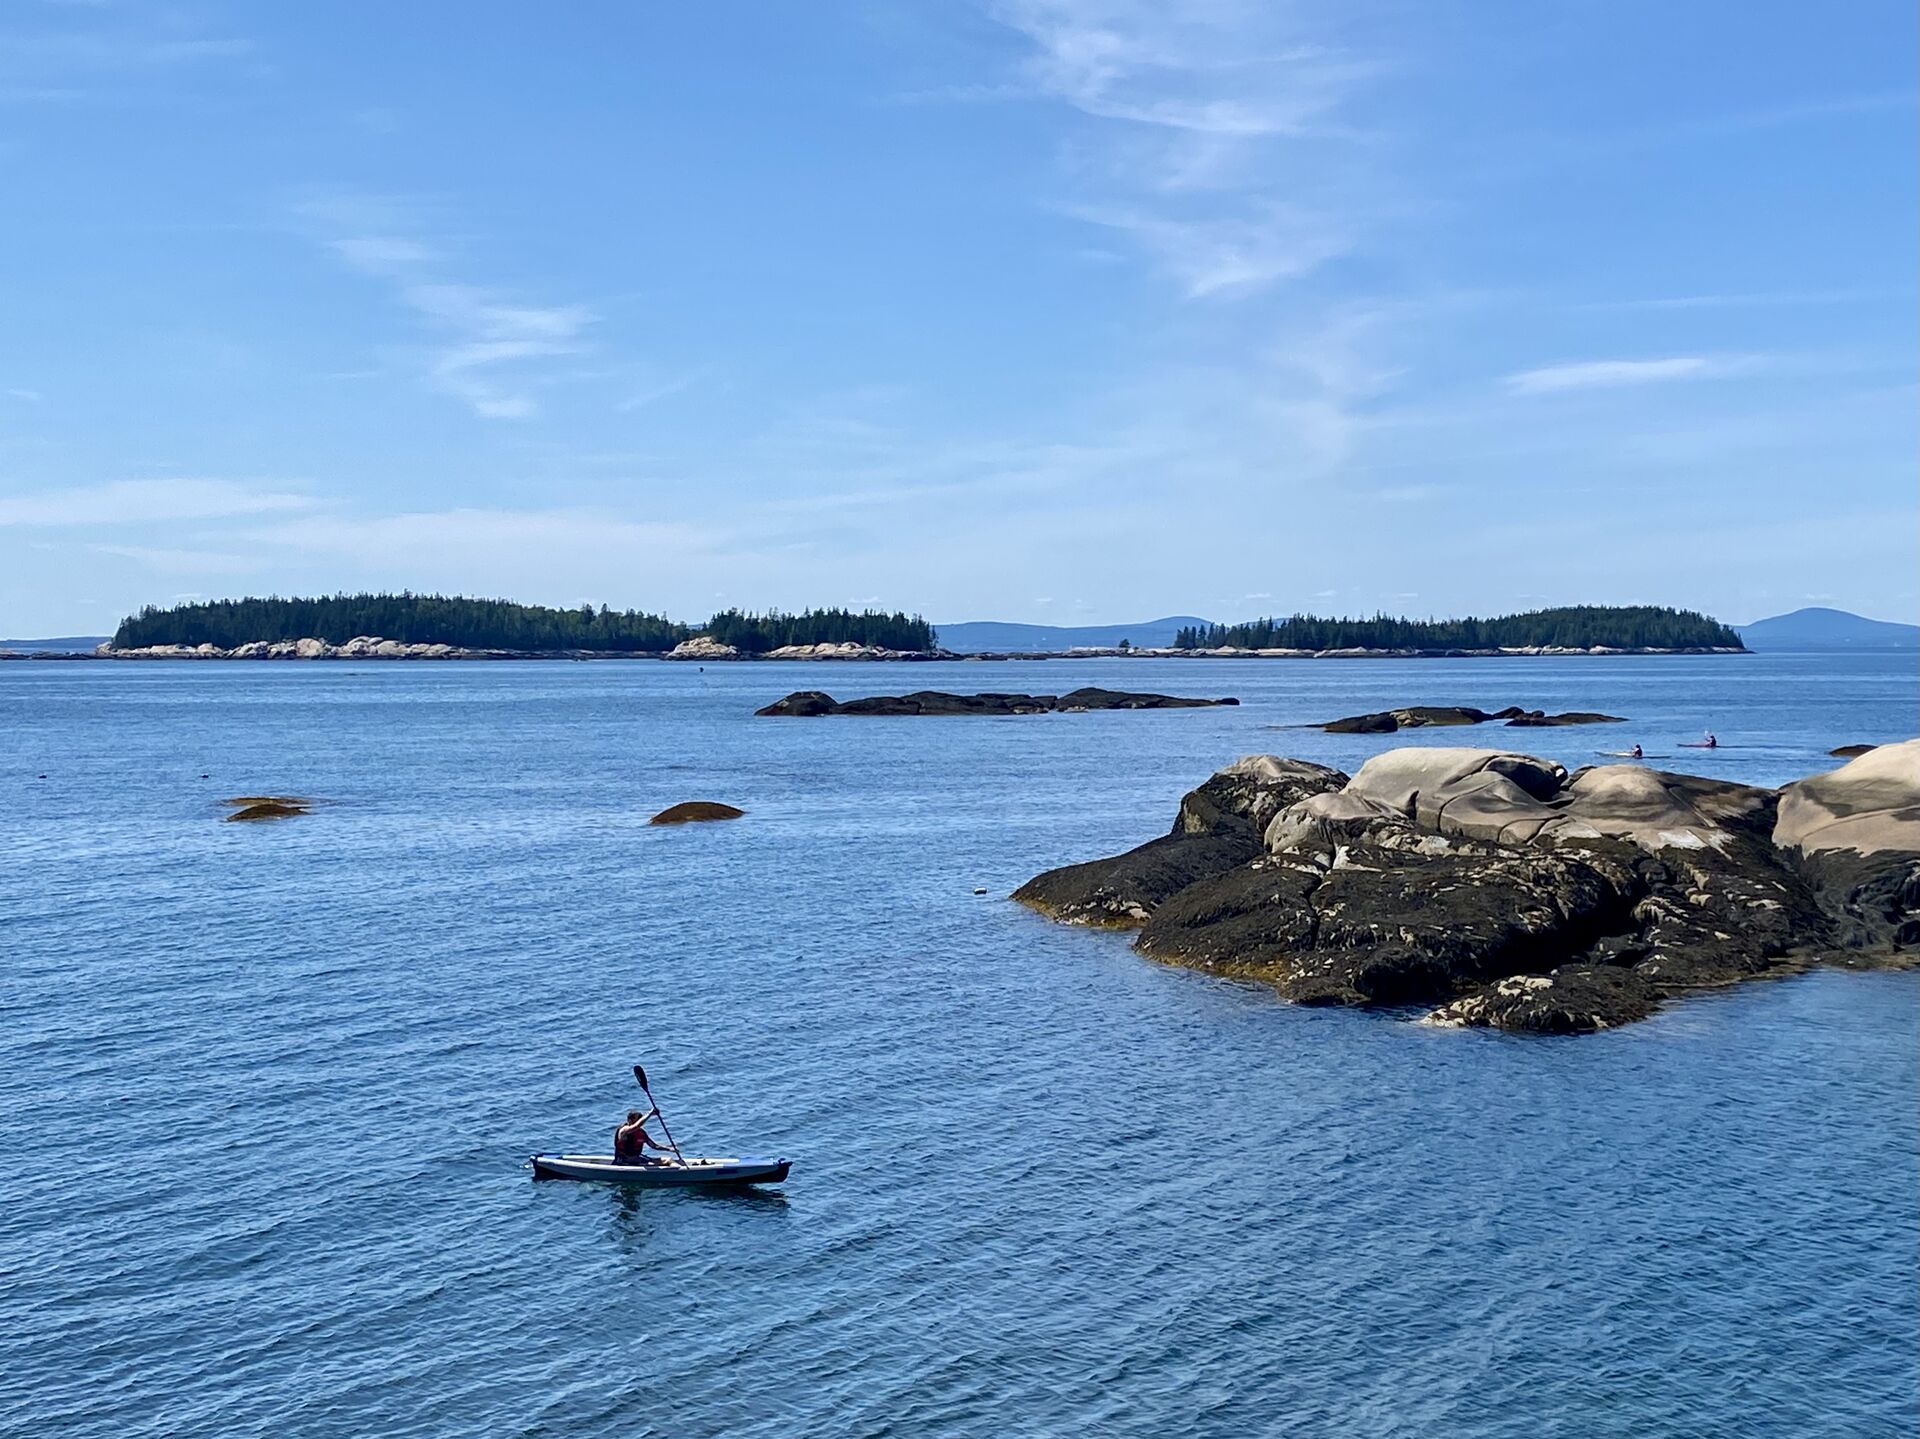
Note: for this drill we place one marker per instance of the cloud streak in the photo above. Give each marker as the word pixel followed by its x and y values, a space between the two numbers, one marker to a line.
pixel 488 347
pixel 123 502
pixel 1216 121
pixel 1615 374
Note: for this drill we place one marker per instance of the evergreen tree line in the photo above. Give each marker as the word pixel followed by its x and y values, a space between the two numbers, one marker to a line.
pixel 499 624
pixel 756 634
pixel 1572 626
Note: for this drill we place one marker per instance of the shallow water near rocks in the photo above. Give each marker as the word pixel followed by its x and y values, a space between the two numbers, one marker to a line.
pixel 267 1090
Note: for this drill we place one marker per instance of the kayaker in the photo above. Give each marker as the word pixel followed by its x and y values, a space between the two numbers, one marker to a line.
pixel 631 1140
pixel 1712 742
pixel 1637 754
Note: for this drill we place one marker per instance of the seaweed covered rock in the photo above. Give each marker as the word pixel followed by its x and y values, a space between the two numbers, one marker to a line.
pixel 810 703
pixel 1508 892
pixel 1218 828
pixel 1370 924
pixel 1573 999
pixel 1428 716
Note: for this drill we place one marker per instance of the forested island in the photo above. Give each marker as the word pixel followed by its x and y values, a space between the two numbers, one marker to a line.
pixel 1626 627
pixel 433 626
pixel 479 624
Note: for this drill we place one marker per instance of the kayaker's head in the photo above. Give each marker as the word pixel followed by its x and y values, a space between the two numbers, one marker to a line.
pixel 634 1116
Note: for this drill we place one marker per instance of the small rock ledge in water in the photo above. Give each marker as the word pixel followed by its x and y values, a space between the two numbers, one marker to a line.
pixel 1500 890
pixel 1425 716
pixel 695 811
pixel 807 703
pixel 249 807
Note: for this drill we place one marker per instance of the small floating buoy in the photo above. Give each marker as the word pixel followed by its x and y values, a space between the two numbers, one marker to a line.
pixel 979 891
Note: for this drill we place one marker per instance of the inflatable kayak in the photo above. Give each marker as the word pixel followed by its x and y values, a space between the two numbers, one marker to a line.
pixel 664 1174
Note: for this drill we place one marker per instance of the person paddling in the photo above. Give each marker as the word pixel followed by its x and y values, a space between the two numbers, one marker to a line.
pixel 631 1140
pixel 1712 742
pixel 1637 754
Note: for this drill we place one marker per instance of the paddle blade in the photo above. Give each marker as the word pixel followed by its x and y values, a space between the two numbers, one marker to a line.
pixel 640 1073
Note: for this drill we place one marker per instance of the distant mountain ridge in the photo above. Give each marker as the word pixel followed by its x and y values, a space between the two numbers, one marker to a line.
pixel 1819 628
pixel 56 642
pixel 1577 627
pixel 997 636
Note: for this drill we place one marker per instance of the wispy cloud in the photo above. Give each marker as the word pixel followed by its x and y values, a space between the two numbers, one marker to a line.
pixel 1215 155
pixel 121 502
pixel 99 51
pixel 1798 112
pixel 1211 69
pixel 1763 300
pixel 664 389
pixel 518 551
pixel 488 346
pixel 166 561
pixel 1612 374
pixel 1233 254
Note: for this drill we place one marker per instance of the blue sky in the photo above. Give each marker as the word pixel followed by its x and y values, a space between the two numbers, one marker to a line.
pixel 1065 311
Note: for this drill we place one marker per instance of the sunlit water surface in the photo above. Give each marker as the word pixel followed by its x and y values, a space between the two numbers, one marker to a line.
pixel 266 1091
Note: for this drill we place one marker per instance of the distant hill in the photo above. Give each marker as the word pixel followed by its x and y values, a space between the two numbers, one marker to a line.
pixel 1824 629
pixel 58 642
pixel 975 636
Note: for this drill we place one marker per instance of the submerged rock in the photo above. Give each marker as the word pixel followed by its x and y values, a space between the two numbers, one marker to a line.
pixel 695 810
pixel 1426 716
pixel 808 703
pixel 1851 751
pixel 249 807
pixel 1504 891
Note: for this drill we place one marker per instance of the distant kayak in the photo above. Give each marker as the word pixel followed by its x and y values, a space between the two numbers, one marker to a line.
pixel 668 1174
pixel 1697 744
pixel 1626 754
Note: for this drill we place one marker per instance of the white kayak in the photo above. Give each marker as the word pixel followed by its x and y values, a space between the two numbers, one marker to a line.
pixel 661 1174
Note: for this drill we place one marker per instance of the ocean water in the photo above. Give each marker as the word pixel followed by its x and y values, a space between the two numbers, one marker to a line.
pixel 266 1091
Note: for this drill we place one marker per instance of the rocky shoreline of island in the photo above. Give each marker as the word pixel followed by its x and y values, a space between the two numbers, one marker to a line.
pixel 375 647
pixel 1495 889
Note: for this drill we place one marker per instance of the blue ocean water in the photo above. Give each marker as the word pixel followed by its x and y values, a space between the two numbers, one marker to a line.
pixel 266 1090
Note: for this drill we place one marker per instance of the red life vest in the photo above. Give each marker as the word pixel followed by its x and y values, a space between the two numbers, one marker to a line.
pixel 629 1146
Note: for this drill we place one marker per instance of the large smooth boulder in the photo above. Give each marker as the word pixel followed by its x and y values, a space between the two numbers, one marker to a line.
pixel 1855 835
pixel 1655 809
pixel 1253 791
pixel 1492 789
pixel 1870 805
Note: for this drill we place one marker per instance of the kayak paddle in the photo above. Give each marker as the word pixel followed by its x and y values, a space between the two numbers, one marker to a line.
pixel 640 1073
